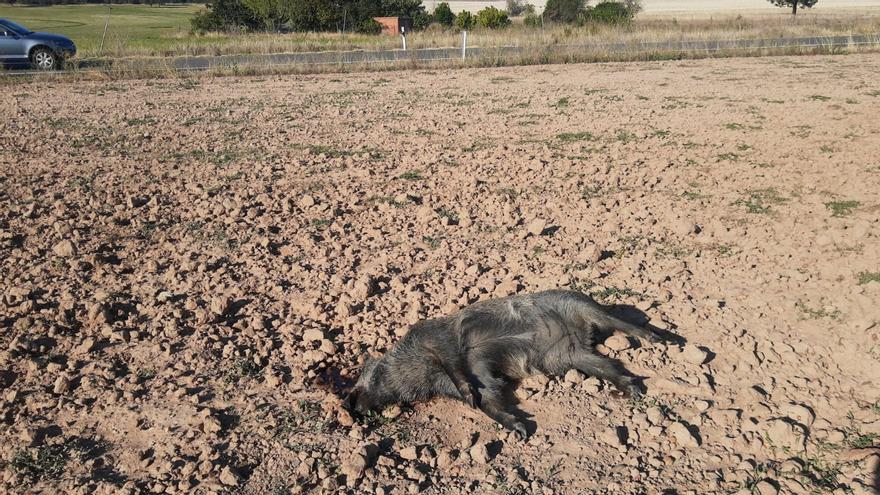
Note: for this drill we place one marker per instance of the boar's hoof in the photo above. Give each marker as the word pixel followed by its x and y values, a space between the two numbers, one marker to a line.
pixel 520 430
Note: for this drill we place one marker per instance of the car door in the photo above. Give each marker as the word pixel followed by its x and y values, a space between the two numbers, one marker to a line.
pixel 10 44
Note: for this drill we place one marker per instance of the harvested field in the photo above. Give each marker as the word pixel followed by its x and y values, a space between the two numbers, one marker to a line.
pixel 189 268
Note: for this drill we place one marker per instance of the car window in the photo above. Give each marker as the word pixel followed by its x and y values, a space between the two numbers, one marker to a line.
pixel 13 28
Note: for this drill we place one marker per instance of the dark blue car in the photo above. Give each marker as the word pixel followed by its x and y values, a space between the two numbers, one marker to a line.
pixel 44 51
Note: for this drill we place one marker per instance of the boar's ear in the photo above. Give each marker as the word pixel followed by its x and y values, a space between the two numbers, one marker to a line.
pixel 350 401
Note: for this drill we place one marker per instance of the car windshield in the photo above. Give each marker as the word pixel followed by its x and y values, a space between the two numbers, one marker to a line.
pixel 15 27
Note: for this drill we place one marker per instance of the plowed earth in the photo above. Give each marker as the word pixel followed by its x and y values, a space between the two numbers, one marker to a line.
pixel 192 270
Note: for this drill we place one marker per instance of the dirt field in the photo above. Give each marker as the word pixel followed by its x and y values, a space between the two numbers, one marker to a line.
pixel 191 268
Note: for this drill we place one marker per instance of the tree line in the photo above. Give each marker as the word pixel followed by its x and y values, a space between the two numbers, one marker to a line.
pixel 357 15
pixel 328 15
pixel 306 15
pixel 42 3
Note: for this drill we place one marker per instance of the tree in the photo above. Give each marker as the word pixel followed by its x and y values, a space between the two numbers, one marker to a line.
pixel 366 9
pixel 633 6
pixel 532 20
pixel 608 13
pixel 421 20
pixel 369 26
pixel 307 15
pixel 403 8
pixel 794 4
pixel 271 12
pixel 464 20
pixel 566 11
pixel 443 14
pixel 317 15
pixel 517 8
pixel 224 15
pixel 492 18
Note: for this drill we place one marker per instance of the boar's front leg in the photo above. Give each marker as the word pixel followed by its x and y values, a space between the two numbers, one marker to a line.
pixel 459 378
pixel 456 374
pixel 490 398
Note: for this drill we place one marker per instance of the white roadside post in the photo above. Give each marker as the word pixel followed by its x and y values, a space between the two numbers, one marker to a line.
pixel 403 35
pixel 106 24
pixel 463 45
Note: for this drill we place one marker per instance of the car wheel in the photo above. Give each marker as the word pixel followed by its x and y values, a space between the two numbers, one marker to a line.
pixel 44 59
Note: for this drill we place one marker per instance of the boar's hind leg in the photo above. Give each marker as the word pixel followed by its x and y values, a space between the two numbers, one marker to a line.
pixel 607 369
pixel 491 401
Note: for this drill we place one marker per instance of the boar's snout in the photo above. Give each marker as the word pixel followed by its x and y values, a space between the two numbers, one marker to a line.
pixel 350 400
pixel 355 401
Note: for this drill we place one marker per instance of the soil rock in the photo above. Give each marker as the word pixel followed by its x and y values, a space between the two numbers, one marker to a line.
pixel 784 433
pixel 480 454
pixel 617 342
pixel 229 477
pixel 65 248
pixel 682 435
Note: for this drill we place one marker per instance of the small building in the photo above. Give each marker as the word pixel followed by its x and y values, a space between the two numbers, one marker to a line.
pixel 395 25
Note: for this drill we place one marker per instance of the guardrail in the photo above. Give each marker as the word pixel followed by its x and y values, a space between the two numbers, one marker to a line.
pixel 199 63
pixel 450 53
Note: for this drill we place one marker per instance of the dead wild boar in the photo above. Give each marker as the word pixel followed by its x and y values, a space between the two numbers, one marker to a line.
pixel 472 355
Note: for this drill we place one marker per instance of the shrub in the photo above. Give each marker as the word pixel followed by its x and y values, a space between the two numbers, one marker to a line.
pixel 609 13
pixel 565 11
pixel 206 21
pixel 443 15
pixel 633 6
pixel 517 8
pixel 492 18
pixel 369 26
pixel 464 20
pixel 532 20
pixel 224 15
pixel 421 20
